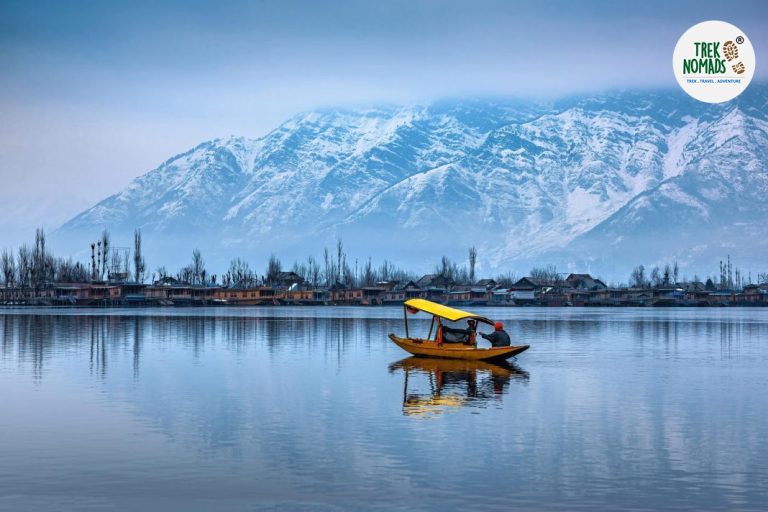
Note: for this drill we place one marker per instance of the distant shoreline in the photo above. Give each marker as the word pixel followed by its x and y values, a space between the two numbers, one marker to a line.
pixel 189 307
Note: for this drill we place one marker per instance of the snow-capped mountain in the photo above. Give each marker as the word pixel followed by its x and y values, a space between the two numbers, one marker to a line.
pixel 713 202
pixel 597 183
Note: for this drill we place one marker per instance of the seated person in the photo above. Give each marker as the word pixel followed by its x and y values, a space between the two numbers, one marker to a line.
pixel 499 337
pixel 451 335
pixel 472 329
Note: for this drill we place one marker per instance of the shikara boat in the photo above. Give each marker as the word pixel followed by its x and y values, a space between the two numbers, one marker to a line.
pixel 439 345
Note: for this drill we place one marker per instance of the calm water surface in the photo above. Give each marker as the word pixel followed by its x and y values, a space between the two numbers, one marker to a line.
pixel 314 409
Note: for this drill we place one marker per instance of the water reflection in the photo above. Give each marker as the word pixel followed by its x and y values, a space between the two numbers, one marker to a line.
pixel 34 339
pixel 453 383
pixel 660 408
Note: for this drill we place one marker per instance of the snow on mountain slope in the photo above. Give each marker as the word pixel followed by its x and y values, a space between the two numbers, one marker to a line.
pixel 184 192
pixel 523 181
pixel 555 177
pixel 309 172
pixel 715 206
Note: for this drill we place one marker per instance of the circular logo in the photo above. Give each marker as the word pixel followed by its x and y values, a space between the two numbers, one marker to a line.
pixel 714 61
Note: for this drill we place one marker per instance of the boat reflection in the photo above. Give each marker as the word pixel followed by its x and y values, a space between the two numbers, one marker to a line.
pixel 434 386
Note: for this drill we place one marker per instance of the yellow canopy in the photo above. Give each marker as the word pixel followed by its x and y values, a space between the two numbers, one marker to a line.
pixel 433 308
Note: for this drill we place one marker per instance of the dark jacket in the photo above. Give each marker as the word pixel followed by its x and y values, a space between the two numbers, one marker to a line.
pixel 497 338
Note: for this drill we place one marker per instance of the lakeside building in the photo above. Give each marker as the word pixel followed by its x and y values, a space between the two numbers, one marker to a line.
pixel 578 290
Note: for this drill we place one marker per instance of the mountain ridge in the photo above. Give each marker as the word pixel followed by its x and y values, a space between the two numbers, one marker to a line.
pixel 526 182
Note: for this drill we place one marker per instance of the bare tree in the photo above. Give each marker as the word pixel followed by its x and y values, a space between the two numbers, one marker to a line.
pixel 450 270
pixel 79 273
pixel 63 270
pixel 300 269
pixel 8 265
pixel 39 268
pixel 369 274
pixel 240 271
pixel 126 263
pixel 547 275
pixel 506 279
pixel 339 256
pixel 41 261
pixel 637 278
pixel 197 268
pixel 67 271
pixel 472 262
pixel 656 277
pixel 675 272
pixel 93 261
pixel 328 272
pixel 274 267
pixel 98 259
pixel 387 271
pixel 186 275
pixel 348 277
pixel 104 244
pixel 115 264
pixel 24 264
pixel 722 275
pixel 139 265
pixel 313 271
pixel 730 273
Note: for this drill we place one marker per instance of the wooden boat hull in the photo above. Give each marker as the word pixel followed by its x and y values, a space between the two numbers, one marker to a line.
pixel 429 348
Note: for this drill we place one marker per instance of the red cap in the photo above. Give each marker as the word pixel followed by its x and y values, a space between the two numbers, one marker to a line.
pixel 498 326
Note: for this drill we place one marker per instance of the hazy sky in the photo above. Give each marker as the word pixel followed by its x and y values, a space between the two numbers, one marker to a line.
pixel 94 93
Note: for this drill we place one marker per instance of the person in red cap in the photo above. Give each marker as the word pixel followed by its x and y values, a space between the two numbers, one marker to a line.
pixel 499 337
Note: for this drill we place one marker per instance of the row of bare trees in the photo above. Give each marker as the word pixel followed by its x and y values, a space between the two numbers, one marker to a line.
pixel 337 270
pixel 669 276
pixel 36 266
pixel 728 278
pixel 108 262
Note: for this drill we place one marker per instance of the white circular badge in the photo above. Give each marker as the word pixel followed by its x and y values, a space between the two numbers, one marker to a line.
pixel 714 61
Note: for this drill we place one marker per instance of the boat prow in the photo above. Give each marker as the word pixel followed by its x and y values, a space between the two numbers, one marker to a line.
pixel 430 348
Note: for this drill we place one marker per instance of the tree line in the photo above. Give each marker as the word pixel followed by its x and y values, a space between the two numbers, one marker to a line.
pixel 728 277
pixel 35 266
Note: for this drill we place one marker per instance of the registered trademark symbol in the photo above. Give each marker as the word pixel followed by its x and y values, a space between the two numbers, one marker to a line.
pixel 739 40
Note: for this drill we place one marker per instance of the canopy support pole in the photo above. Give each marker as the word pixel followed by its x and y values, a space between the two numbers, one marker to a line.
pixel 405 316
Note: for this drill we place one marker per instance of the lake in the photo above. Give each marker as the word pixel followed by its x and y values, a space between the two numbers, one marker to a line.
pixel 313 408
